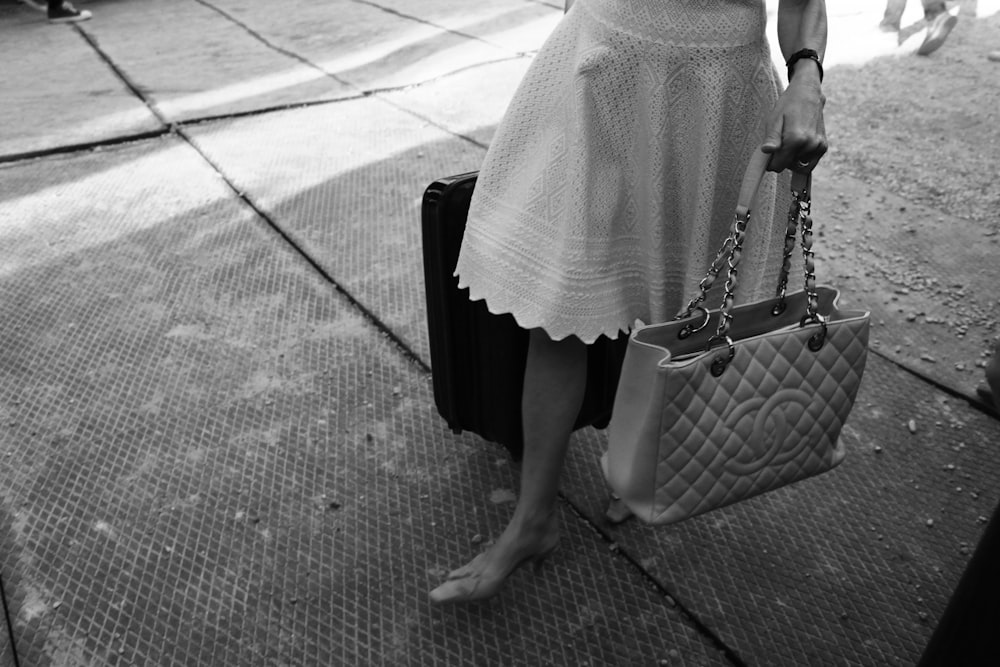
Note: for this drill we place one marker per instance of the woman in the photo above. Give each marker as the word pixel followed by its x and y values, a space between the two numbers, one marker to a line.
pixel 607 190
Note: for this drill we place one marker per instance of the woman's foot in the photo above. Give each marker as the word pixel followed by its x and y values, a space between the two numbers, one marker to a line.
pixel 484 576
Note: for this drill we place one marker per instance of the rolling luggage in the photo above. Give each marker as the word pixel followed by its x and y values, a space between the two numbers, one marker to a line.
pixel 477 358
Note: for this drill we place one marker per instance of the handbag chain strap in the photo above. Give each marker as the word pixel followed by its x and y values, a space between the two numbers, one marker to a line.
pixel 799 220
pixel 795 210
pixel 748 188
pixel 801 189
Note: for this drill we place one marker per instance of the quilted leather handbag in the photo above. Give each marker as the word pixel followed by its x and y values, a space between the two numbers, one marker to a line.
pixel 721 405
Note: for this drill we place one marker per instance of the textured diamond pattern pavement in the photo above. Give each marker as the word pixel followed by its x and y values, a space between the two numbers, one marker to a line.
pixel 211 458
pixel 345 183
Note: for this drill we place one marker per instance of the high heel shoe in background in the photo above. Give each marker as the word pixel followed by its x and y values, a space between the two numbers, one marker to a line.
pixel 467 584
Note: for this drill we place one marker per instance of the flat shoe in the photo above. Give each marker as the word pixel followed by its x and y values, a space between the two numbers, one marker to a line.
pixel 937 31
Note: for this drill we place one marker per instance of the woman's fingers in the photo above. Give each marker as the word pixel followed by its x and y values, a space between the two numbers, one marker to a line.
pixel 796 133
pixel 795 150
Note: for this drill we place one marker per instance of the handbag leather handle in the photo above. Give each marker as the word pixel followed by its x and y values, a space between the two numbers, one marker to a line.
pixel 752 177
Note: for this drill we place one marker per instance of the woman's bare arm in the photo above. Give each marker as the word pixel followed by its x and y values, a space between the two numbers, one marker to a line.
pixel 796 135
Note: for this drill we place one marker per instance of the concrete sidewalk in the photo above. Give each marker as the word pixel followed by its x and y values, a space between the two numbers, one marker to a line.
pixel 218 444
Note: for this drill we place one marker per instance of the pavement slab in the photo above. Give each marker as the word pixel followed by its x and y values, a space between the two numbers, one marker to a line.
pixel 361 43
pixel 519 26
pixel 236 71
pixel 853 567
pixel 345 181
pixel 57 91
pixel 211 457
pixel 469 103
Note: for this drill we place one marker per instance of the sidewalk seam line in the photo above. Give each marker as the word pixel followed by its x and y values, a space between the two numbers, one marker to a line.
pixel 940 386
pixel 374 319
pixel 167 126
pixel 134 89
pixel 697 624
pixel 10 625
pixel 69 149
pixel 417 19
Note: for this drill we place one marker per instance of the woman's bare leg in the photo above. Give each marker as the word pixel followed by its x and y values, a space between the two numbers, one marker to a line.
pixel 554 383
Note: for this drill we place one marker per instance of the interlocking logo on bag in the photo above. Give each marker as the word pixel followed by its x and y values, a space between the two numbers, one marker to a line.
pixel 770 415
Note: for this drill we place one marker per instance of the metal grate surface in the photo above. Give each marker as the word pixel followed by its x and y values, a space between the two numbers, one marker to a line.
pixel 209 458
pixel 844 568
pixel 345 183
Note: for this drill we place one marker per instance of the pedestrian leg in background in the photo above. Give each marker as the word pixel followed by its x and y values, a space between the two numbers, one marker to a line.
pixel 940 23
pixel 893 15
pixel 61 11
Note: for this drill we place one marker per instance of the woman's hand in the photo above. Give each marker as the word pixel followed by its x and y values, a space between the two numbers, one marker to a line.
pixel 796 135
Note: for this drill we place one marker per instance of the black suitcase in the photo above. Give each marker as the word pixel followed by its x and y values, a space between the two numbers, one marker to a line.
pixel 477 358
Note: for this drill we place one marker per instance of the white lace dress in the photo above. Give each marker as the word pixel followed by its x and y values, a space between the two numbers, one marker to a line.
pixel 612 180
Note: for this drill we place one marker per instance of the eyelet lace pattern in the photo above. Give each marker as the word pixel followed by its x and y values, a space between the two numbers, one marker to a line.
pixel 613 177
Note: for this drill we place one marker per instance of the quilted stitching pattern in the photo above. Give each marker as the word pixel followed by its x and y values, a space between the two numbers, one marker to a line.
pixel 772 418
